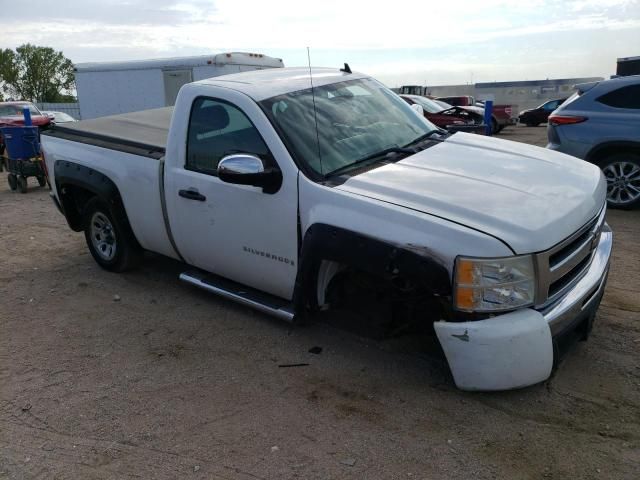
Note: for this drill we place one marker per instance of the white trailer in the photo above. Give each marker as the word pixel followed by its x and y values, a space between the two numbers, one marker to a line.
pixel 108 88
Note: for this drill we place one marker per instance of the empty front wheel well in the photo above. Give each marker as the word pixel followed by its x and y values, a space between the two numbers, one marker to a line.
pixel 334 258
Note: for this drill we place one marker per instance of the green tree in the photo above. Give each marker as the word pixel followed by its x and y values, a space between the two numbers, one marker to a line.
pixel 38 74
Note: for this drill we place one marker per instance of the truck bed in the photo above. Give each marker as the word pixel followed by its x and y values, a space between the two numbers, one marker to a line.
pixel 141 133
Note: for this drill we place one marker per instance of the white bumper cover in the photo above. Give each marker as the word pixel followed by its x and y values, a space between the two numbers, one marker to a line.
pixel 510 351
pixel 515 350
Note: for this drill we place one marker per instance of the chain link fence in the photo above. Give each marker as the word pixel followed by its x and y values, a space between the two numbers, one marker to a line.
pixel 72 109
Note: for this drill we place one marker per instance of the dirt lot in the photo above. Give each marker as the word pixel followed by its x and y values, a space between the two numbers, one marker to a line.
pixel 170 382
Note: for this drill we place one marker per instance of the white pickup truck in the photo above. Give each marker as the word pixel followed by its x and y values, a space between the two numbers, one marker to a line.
pixel 294 197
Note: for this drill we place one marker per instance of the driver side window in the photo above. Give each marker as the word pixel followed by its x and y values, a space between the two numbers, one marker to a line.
pixel 217 129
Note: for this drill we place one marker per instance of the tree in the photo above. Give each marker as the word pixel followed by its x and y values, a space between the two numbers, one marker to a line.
pixel 38 74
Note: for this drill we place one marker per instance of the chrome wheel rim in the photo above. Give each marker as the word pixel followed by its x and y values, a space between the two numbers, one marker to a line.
pixel 623 182
pixel 103 236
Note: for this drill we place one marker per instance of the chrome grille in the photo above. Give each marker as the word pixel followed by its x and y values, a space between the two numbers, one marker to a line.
pixel 560 267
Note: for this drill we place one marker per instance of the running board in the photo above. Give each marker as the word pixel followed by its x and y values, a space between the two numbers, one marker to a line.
pixel 248 296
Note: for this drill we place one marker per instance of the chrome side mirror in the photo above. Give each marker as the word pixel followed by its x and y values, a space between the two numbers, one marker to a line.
pixel 418 109
pixel 247 169
pixel 240 164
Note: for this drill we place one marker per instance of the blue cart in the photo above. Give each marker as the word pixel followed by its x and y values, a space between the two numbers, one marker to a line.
pixel 22 156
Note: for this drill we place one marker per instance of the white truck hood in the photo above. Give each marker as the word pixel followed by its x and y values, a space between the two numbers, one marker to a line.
pixel 529 197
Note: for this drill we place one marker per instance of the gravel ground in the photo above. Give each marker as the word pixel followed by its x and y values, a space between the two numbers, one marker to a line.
pixel 165 381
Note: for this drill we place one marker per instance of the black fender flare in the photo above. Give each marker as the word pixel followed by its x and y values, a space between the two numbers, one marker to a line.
pixel 369 254
pixel 69 174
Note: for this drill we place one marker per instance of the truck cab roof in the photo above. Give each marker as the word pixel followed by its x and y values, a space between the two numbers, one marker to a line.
pixel 263 84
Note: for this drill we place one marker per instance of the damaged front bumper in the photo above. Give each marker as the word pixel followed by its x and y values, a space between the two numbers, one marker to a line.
pixel 515 349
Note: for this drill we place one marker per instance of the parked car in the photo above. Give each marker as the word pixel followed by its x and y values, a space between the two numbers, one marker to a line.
pixel 447 117
pixel 600 123
pixel 501 114
pixel 459 100
pixel 294 200
pixel 535 116
pixel 59 117
pixel 413 90
pixel 11 114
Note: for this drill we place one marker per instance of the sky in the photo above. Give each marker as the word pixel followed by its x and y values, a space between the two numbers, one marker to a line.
pixel 406 42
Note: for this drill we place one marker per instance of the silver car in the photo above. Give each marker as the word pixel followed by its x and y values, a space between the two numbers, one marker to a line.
pixel 600 123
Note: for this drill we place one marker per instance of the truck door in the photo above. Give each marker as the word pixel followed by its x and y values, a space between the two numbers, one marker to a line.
pixel 173 80
pixel 235 231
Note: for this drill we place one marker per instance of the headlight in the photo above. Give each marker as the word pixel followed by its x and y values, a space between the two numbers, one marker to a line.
pixel 494 284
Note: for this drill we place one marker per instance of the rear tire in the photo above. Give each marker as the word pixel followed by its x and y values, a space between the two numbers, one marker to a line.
pixel 109 237
pixel 13 181
pixel 622 172
pixel 22 184
pixel 42 181
pixel 494 126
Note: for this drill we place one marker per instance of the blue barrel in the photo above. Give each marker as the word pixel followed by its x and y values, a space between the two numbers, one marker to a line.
pixel 21 142
pixel 488 117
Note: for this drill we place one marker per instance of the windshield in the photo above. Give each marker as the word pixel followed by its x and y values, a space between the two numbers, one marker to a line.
pixel 355 119
pixel 11 110
pixel 444 105
pixel 61 117
pixel 429 105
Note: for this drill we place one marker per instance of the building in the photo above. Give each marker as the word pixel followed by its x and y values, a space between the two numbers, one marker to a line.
pixel 525 94
pixel 628 66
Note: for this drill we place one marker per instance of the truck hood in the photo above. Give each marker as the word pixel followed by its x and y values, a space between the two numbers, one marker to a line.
pixel 529 197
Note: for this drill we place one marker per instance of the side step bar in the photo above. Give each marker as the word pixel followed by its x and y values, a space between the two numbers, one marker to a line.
pixel 238 293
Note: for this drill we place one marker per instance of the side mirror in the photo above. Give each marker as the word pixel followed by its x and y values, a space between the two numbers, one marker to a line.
pixel 247 169
pixel 418 109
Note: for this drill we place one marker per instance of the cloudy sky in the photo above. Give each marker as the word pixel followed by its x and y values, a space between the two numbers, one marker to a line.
pixel 400 42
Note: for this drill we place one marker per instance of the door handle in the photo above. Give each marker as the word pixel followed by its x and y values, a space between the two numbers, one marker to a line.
pixel 192 195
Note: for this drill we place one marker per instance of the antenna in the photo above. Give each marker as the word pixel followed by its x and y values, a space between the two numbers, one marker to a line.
pixel 315 113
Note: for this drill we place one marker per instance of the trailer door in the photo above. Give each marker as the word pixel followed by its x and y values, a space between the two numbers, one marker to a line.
pixel 173 80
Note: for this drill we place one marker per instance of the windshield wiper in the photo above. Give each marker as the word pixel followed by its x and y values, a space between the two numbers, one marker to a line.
pixel 381 153
pixel 439 131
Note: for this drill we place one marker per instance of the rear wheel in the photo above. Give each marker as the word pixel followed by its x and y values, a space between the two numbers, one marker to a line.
pixel 42 181
pixel 13 181
pixel 494 126
pixel 622 172
pixel 109 238
pixel 22 184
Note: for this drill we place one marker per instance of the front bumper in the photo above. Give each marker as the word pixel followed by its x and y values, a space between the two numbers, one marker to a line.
pixel 515 349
